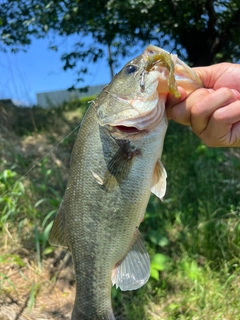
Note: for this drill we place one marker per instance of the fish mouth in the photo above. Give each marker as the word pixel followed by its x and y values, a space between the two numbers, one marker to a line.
pixel 122 132
pixel 128 130
pixel 141 123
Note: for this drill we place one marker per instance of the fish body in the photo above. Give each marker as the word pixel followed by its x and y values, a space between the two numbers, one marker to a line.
pixel 115 166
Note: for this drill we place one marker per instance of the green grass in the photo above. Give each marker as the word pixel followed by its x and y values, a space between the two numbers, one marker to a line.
pixel 193 236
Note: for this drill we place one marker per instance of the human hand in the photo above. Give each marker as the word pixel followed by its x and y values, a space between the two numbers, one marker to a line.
pixel 213 112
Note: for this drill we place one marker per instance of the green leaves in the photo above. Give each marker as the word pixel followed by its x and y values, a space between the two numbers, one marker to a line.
pixel 156 238
pixel 10 204
pixel 12 259
pixel 191 270
pixel 159 262
pixel 18 209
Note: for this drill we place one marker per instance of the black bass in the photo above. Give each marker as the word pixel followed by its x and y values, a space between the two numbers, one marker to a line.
pixel 115 166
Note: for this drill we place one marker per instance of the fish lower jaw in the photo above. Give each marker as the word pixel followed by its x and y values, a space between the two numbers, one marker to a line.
pixel 143 124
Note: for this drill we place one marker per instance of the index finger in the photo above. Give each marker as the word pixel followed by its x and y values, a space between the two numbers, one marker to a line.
pixel 181 112
pixel 203 109
pixel 172 101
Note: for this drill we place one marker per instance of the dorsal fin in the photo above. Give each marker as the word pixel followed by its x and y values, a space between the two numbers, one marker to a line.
pixel 57 234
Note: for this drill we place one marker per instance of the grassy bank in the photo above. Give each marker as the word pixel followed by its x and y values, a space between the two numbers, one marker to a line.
pixel 193 236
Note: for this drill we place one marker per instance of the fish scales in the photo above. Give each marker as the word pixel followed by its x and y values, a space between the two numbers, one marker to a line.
pixel 114 167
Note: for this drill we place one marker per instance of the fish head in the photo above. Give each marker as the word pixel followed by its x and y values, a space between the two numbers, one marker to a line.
pixel 135 99
pixel 131 100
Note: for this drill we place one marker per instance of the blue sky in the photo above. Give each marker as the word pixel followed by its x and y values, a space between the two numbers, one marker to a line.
pixel 40 69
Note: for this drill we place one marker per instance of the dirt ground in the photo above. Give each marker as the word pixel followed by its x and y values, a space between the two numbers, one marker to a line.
pixel 33 293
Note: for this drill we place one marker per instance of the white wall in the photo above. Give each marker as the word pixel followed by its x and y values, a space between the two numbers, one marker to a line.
pixel 55 98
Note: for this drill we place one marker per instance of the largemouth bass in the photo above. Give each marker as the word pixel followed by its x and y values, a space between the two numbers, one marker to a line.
pixel 115 166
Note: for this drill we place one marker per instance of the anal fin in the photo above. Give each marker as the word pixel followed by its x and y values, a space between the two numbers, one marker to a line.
pixel 57 234
pixel 134 270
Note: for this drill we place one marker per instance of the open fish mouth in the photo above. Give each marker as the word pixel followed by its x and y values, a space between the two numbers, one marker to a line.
pixel 121 131
pixel 144 122
pixel 128 130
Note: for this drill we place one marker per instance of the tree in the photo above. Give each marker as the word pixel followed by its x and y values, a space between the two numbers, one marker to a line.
pixel 200 31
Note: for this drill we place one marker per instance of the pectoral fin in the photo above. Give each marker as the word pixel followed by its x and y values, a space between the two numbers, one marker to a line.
pixel 159 180
pixel 120 164
pixel 57 234
pixel 134 271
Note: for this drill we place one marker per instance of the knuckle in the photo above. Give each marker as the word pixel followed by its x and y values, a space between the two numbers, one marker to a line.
pixel 220 115
pixel 228 94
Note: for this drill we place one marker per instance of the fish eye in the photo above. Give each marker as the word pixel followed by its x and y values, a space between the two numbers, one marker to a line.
pixel 130 69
